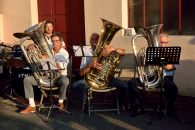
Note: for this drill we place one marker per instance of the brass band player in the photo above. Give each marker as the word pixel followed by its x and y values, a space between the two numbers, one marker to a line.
pixel 170 87
pixel 79 87
pixel 61 56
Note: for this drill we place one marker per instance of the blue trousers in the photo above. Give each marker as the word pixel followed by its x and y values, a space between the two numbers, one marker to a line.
pixel 80 88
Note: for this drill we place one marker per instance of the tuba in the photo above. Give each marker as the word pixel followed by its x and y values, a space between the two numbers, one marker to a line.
pixel 99 79
pixel 32 50
pixel 149 75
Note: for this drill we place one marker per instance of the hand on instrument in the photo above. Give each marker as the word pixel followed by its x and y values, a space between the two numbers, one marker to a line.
pixel 43 56
pixel 96 65
pixel 169 67
pixel 121 51
pixel 31 47
pixel 107 49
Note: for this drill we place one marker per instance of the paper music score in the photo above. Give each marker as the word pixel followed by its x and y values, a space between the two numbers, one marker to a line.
pixel 49 64
pixel 83 50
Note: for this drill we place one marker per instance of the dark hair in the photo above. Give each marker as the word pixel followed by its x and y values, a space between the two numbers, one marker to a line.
pixel 47 22
pixel 57 34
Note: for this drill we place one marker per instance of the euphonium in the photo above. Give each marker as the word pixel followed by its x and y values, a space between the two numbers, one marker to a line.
pixel 31 53
pixel 99 79
pixel 149 75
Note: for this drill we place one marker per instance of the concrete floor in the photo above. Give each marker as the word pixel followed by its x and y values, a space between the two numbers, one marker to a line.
pixel 10 119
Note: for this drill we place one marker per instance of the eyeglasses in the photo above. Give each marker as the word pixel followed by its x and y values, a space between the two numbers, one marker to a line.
pixel 164 42
pixel 55 41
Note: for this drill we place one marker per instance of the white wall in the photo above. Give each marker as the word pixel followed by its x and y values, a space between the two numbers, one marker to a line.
pixel 113 10
pixel 17 15
pixel 1 21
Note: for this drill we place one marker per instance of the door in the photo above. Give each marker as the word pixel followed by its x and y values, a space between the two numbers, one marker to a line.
pixel 68 19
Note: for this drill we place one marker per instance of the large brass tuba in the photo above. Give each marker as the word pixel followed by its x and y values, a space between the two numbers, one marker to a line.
pixel 32 50
pixel 149 75
pixel 100 79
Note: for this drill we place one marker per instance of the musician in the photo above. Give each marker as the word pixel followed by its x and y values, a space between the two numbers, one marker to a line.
pixel 61 56
pixel 170 87
pixel 48 31
pixel 80 87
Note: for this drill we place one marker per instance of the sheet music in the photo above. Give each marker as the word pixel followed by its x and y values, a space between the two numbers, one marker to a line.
pixel 79 50
pixel 88 51
pixel 51 62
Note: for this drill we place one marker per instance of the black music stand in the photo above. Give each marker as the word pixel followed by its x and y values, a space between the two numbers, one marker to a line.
pixel 50 65
pixel 161 56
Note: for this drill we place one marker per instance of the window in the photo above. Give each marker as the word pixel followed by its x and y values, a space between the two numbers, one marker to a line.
pixel 176 15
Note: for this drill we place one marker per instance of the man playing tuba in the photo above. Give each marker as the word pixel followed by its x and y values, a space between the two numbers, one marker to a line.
pixel 170 87
pixel 79 87
pixel 61 56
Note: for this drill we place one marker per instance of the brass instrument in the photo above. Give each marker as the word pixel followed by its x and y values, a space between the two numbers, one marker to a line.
pixel 31 53
pixel 99 79
pixel 149 75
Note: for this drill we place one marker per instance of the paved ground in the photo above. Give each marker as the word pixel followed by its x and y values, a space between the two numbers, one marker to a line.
pixel 10 119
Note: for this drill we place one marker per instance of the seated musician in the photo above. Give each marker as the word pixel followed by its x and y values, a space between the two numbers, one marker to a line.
pixel 61 56
pixel 170 87
pixel 80 86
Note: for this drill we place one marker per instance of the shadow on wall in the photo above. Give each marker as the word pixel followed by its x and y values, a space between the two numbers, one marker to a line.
pixel 184 77
pixel 192 41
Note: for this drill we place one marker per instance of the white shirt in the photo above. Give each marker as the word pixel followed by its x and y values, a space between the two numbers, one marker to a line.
pixel 62 58
pixel 48 39
pixel 85 61
pixel 169 72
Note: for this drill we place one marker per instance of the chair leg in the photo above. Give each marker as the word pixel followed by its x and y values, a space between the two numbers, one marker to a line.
pixel 83 108
pixel 117 105
pixel 89 102
pixel 41 102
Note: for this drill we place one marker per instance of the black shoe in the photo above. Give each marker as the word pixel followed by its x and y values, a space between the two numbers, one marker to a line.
pixel 171 111
pixel 134 111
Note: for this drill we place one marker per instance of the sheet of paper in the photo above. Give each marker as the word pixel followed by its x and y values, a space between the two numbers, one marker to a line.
pixel 77 50
pixel 48 63
pixel 88 51
pixel 82 50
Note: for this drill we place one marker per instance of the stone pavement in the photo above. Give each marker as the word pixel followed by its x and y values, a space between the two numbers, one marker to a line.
pixel 10 119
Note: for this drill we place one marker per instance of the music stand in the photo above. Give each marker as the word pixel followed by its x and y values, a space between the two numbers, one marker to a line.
pixel 50 65
pixel 84 52
pixel 161 56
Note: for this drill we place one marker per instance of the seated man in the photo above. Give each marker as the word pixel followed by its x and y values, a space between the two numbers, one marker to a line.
pixel 61 56
pixel 170 87
pixel 80 86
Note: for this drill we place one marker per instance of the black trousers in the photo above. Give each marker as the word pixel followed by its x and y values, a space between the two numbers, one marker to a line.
pixel 134 92
pixel 170 88
pixel 171 91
